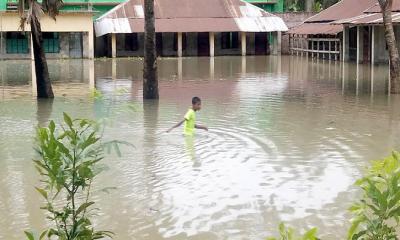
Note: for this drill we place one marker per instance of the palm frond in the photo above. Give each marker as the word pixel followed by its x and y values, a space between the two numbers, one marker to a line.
pixel 52 7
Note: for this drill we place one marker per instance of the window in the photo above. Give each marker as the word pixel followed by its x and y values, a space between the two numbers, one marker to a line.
pixel 176 41
pixel 51 42
pixel 16 43
pixel 229 40
pixel 130 42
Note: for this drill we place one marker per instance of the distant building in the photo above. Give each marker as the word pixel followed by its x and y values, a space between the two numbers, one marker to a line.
pixel 71 36
pixel 190 28
pixel 319 37
pixel 274 6
pixel 364 35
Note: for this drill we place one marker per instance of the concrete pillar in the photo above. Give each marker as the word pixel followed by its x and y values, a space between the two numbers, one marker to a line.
pixel 360 44
pixel 279 43
pixel 33 79
pixel 372 45
pixel 277 37
pixel 90 44
pixel 211 40
pixel 179 44
pixel 345 46
pixel 32 55
pixel 113 45
pixel 243 42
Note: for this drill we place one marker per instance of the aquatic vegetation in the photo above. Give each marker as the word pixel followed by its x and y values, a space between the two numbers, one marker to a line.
pixel 288 233
pixel 69 158
pixel 377 213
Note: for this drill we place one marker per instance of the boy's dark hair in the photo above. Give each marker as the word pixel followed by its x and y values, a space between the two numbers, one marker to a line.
pixel 195 100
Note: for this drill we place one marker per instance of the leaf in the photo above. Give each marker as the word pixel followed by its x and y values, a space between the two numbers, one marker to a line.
pixel 42 192
pixel 355 223
pixel 67 120
pixel 310 235
pixel 83 207
pixel 29 235
pixel 43 235
pixel 52 126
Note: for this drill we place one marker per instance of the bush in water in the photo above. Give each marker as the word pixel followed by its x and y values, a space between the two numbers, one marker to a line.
pixel 289 234
pixel 377 213
pixel 69 160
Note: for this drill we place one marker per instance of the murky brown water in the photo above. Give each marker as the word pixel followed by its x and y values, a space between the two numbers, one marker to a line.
pixel 288 137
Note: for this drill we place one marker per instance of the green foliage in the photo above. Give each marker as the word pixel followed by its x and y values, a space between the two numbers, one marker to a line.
pixel 377 214
pixel 69 160
pixel 317 7
pixel 287 233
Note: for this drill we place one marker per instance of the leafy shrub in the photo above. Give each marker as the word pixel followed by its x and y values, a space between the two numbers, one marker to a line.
pixel 69 157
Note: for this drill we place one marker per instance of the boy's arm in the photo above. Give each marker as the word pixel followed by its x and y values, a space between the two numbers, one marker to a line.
pixel 201 127
pixel 176 125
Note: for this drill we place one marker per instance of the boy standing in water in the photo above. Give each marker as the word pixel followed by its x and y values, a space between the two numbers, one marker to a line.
pixel 190 119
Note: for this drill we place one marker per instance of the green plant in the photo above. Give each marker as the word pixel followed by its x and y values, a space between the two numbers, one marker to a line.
pixel 289 234
pixel 317 7
pixel 377 214
pixel 69 160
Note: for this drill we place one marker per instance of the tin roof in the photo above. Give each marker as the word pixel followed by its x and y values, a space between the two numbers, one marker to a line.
pixel 320 23
pixel 377 9
pixel 368 19
pixel 316 28
pixel 342 9
pixel 190 16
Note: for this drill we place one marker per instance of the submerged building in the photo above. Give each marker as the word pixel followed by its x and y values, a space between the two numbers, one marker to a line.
pixel 318 36
pixel 190 28
pixel 71 36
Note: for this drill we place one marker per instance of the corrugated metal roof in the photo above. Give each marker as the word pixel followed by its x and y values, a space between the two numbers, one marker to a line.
pixel 190 16
pixel 316 28
pixel 368 19
pixel 342 9
pixel 377 9
pixel 320 23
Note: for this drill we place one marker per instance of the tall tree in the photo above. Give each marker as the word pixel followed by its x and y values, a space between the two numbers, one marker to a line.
pixel 386 8
pixel 30 12
pixel 309 5
pixel 150 78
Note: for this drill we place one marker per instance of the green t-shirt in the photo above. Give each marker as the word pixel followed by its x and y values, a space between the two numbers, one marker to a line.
pixel 190 119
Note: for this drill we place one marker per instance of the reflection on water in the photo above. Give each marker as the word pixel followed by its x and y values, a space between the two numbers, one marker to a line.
pixel 288 137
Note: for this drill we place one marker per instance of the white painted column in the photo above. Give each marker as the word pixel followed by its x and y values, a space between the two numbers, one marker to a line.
pixel 243 42
pixel 279 42
pixel 345 47
pixel 33 79
pixel 113 45
pixel 179 44
pixel 32 55
pixel 372 45
pixel 360 44
pixel 91 44
pixel 212 43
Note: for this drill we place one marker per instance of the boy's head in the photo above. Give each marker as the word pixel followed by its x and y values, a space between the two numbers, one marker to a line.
pixel 196 103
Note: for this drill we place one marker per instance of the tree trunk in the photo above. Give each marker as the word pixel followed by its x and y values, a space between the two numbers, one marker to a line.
pixel 44 89
pixel 386 7
pixel 309 5
pixel 150 81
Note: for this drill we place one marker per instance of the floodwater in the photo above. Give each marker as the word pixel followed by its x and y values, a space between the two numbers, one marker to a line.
pixel 288 137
